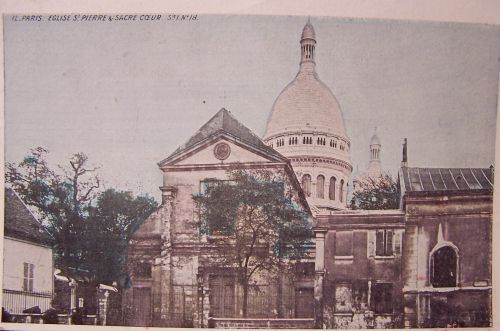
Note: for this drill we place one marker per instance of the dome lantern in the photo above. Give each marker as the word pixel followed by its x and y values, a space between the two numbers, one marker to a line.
pixel 307 46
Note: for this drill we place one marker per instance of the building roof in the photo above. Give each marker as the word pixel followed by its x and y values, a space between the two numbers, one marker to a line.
pixel 446 179
pixel 20 223
pixel 306 104
pixel 224 122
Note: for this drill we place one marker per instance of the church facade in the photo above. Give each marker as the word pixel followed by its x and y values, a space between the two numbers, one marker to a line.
pixel 175 279
pixel 408 267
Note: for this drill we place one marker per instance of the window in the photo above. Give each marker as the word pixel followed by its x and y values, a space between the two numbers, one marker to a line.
pixel 351 297
pixel 360 295
pixel 207 184
pixel 320 187
pixel 143 270
pixel 382 298
pixel 306 185
pixel 331 189
pixel 341 192
pixel 343 298
pixel 443 268
pixel 384 243
pixel 29 270
pixel 343 243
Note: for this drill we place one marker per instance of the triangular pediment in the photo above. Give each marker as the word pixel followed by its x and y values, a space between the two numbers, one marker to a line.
pixel 242 144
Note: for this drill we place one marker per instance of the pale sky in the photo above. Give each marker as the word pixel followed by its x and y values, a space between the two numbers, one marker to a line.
pixel 129 93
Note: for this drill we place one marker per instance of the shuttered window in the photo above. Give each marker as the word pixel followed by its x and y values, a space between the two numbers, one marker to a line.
pixel 28 276
pixel 384 243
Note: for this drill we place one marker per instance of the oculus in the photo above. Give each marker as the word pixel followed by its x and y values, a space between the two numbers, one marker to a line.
pixel 222 151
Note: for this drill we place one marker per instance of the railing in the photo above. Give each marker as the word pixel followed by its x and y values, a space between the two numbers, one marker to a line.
pixel 184 299
pixel 61 319
pixel 17 301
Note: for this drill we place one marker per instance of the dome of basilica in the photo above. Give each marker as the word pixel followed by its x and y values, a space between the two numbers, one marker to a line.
pixel 306 103
pixel 307 127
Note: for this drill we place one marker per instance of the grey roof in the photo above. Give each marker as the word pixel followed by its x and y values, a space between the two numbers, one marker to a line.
pixel 20 223
pixel 446 179
pixel 224 122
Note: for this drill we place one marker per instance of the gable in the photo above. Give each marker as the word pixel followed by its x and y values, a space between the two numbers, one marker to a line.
pixel 223 123
pixel 20 223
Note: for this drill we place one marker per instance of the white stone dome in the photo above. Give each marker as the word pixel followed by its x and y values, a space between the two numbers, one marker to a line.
pixel 306 104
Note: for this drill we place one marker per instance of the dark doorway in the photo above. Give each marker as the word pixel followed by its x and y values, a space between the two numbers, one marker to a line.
pixel 222 296
pixel 304 303
pixel 142 306
pixel 444 267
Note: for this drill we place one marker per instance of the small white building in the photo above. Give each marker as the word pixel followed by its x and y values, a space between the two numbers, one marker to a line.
pixel 27 259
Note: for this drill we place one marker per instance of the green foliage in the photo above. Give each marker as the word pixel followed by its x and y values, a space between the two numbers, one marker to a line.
pixel 376 193
pixel 90 227
pixel 254 223
pixel 110 224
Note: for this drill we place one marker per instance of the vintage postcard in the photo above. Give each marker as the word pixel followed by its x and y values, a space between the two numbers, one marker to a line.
pixel 248 171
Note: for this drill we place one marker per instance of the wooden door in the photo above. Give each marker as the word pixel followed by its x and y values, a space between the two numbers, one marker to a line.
pixel 304 303
pixel 142 306
pixel 222 296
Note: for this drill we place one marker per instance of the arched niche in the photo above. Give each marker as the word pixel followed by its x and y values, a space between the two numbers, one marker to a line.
pixel 443 265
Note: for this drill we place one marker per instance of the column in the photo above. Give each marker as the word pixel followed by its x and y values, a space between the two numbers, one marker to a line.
pixel 319 277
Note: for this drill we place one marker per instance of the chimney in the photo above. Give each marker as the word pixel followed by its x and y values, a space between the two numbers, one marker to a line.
pixel 404 163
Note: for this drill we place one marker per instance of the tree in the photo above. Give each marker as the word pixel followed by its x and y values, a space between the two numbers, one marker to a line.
pixel 111 222
pixel 254 225
pixel 81 219
pixel 61 199
pixel 376 193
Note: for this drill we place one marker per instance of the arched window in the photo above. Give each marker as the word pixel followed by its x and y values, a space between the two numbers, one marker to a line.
pixel 443 268
pixel 331 189
pixel 320 187
pixel 306 185
pixel 341 191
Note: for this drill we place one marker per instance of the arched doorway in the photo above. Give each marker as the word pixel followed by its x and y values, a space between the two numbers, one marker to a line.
pixel 444 267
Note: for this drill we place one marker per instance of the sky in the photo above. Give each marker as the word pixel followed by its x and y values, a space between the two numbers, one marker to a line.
pixel 128 93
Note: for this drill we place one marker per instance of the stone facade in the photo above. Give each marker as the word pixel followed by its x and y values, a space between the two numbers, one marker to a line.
pixel 363 262
pixel 447 271
pixel 425 265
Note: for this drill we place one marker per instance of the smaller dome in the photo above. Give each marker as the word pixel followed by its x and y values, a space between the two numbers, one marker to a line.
pixel 308 31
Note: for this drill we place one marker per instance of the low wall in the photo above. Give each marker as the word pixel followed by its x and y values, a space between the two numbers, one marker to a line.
pixel 261 323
